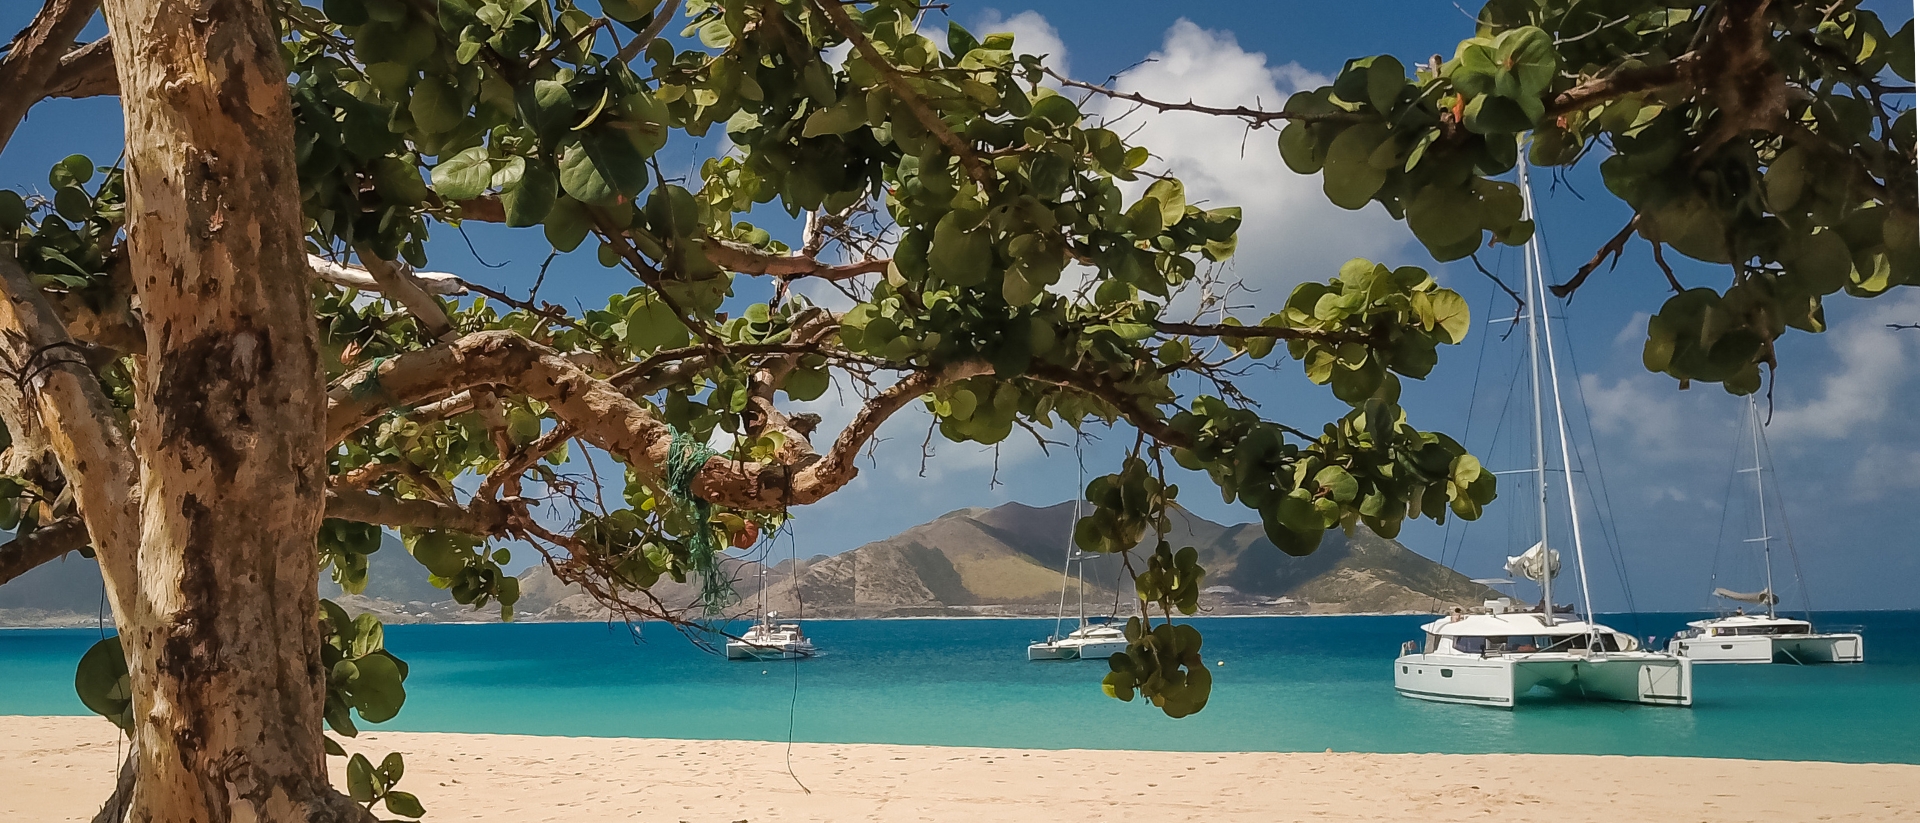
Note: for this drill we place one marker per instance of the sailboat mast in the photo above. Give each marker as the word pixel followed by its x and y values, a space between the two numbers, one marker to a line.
pixel 1539 416
pixel 1539 283
pixel 1760 500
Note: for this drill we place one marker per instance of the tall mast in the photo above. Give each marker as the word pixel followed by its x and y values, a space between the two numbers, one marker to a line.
pixel 1559 409
pixel 1539 416
pixel 1760 500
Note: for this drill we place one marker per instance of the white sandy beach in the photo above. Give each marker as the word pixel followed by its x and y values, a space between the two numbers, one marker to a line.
pixel 59 768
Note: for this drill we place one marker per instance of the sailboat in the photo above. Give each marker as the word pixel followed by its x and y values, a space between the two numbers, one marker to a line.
pixel 1095 638
pixel 1762 638
pixel 768 638
pixel 1499 652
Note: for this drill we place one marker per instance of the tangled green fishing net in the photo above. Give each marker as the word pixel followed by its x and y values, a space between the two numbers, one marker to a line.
pixel 685 457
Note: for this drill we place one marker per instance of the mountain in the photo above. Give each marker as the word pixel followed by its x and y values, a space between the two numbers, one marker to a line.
pixel 1005 560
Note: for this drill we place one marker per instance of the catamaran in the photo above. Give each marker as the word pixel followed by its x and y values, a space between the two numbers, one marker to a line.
pixel 1095 638
pixel 1498 653
pixel 1762 638
pixel 770 639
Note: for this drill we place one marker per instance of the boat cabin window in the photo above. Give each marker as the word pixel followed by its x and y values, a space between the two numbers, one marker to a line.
pixel 1470 645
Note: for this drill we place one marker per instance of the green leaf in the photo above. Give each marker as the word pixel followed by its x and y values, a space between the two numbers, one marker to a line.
pixel 74 170
pixel 529 202
pixel 102 683
pixel 625 11
pixel 567 223
pixel 360 779
pixel 844 116
pixel 72 203
pixel 404 803
pixel 436 106
pixel 1385 79
pixel 807 384
pixel 1451 314
pixel 1172 196
pixel 377 691
pixel 580 178
pixel 1350 181
pixel 1338 483
pixel 463 176
pixel 1528 53
pixel 346 12
pixel 1297 148
pixel 13 210
pixel 959 256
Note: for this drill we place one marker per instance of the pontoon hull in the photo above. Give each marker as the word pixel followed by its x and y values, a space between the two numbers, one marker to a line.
pixel 1777 648
pixel 1076 650
pixel 1630 677
pixel 737 650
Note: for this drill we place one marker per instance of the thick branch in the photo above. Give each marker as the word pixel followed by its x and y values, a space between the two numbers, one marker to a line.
pixel 85 72
pixel 398 284
pixel 479 517
pixel 355 277
pixel 745 259
pixel 34 57
pixel 1624 82
pixel 976 168
pixel 42 545
pixel 83 424
pixel 661 16
pixel 607 418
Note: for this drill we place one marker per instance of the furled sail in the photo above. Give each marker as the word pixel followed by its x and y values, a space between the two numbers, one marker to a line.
pixel 1536 564
pixel 1762 596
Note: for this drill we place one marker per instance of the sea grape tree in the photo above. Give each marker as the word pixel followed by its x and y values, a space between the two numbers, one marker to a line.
pixel 1772 137
pixel 230 364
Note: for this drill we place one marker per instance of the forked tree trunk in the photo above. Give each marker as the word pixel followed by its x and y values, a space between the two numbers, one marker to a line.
pixel 217 610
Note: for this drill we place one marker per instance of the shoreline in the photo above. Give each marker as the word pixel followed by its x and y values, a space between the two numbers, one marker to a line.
pixel 61 767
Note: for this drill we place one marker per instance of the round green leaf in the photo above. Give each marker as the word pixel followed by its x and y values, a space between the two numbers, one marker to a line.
pixel 463 176
pixel 1350 181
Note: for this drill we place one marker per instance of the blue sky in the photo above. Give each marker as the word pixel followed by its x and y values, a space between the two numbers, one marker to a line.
pixel 1846 444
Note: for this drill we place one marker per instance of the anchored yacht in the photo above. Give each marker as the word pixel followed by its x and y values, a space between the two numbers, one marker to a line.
pixel 771 640
pixel 1763 638
pixel 1095 638
pixel 1497 654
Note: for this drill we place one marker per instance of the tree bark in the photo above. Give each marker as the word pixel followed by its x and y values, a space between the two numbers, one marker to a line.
pixel 222 638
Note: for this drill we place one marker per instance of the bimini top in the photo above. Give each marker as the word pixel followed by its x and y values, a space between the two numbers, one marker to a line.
pixel 1510 624
pixel 1753 622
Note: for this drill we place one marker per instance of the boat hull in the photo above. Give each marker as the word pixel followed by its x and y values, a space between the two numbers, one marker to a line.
pixel 737 650
pixel 1780 648
pixel 1076 650
pixel 1630 677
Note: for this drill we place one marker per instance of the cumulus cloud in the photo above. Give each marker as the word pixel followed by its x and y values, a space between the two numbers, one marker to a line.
pixel 1032 34
pixel 1291 233
pixel 1874 364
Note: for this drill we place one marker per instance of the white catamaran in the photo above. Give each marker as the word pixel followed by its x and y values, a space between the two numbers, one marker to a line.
pixel 1095 638
pixel 1762 638
pixel 768 638
pixel 1498 653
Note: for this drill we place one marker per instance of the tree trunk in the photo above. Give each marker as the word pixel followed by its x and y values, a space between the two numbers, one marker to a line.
pixel 221 628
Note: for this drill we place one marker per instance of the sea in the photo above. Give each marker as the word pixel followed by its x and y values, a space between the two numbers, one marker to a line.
pixel 1280 684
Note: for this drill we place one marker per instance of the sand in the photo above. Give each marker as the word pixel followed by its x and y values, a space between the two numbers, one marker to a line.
pixel 59 768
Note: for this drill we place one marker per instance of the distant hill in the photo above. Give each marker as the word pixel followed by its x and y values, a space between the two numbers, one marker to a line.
pixel 1006 560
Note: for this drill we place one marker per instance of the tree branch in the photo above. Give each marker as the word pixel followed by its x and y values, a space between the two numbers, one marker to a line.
pixel 1257 117
pixel 1622 83
pixel 35 55
pixel 639 43
pixel 42 545
pixel 1615 247
pixel 836 13
pixel 85 72
pixel 84 426
pixel 607 418
pixel 357 277
pixel 745 259
pixel 478 517
pixel 1276 332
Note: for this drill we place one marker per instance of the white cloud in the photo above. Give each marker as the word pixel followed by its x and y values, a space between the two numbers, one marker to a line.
pixel 1032 34
pixel 1649 409
pixel 1875 362
pixel 1291 234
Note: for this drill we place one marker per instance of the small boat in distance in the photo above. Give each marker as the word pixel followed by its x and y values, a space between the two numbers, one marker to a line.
pixel 1097 638
pixel 1497 654
pixel 771 640
pixel 1763 638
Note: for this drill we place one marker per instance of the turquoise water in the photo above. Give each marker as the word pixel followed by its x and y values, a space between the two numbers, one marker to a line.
pixel 1288 684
